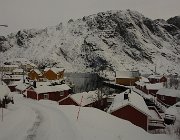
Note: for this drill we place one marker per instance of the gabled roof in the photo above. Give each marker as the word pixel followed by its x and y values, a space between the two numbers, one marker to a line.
pixel 55 70
pixel 22 86
pixel 135 101
pixel 88 98
pixel 169 92
pixel 37 71
pixel 156 76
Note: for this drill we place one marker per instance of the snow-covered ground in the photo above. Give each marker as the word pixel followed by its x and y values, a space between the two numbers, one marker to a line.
pixel 46 120
pixel 174 129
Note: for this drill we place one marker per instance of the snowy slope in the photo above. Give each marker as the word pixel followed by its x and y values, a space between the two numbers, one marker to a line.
pixel 121 40
pixel 46 120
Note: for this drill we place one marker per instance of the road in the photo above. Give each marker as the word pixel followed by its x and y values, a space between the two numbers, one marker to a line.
pixel 33 120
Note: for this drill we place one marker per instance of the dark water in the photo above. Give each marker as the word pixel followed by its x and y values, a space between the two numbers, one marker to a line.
pixel 89 82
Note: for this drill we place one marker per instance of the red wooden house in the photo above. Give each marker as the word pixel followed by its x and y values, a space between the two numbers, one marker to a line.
pixel 131 107
pixel 44 90
pixel 12 87
pixel 157 79
pixel 13 84
pixel 149 88
pixel 85 99
pixel 168 96
pixel 152 88
pixel 141 83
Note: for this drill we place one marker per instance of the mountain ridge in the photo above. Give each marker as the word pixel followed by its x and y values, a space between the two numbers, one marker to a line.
pixel 112 40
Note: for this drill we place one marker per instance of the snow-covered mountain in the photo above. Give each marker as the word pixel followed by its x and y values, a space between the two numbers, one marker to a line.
pixel 118 40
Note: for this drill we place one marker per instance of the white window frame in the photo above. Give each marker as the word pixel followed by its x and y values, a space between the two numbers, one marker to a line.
pixel 162 97
pixel 61 93
pixel 46 96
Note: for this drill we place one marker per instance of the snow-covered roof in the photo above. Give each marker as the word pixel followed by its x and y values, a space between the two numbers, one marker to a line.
pixel 18 70
pixel 88 97
pixel 45 87
pixel 135 100
pixel 4 90
pixel 154 113
pixel 127 74
pixel 33 65
pixel 11 66
pixel 14 83
pixel 144 79
pixel 174 110
pixel 156 76
pixel 140 83
pixel 169 92
pixel 14 77
pixel 37 71
pixel 155 86
pixel 22 86
pixel 55 70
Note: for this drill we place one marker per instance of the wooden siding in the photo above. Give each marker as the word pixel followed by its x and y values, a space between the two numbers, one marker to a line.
pixel 12 88
pixel 126 81
pixel 68 101
pixel 31 94
pixel 101 104
pixel 50 75
pixel 167 99
pixel 33 75
pixel 154 80
pixel 54 96
pixel 133 115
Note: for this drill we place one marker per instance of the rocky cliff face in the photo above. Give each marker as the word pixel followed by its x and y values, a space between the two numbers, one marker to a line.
pixel 113 40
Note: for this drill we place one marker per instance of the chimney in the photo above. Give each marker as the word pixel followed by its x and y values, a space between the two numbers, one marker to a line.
pixel 126 96
pixel 34 84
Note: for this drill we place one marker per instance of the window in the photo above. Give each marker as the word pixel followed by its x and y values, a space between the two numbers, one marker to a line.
pixel 62 93
pixel 46 96
pixel 162 98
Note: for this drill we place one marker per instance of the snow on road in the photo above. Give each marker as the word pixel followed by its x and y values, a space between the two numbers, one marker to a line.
pixel 30 120
pixel 46 120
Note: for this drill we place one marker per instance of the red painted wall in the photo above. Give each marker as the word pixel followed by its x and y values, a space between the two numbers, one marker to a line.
pixel 31 94
pixel 131 114
pixel 54 96
pixel 153 92
pixel 12 88
pixel 101 104
pixel 154 80
pixel 68 101
pixel 167 100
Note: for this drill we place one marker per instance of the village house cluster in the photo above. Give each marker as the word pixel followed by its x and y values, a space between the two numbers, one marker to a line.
pixel 135 103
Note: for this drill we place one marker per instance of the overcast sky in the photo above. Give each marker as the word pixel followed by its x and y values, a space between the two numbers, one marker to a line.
pixel 22 14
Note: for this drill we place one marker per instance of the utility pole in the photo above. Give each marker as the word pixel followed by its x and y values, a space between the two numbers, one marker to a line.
pixel 155 69
pixel 4 25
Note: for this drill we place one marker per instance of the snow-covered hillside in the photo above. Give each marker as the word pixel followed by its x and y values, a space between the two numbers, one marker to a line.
pixel 45 120
pixel 121 40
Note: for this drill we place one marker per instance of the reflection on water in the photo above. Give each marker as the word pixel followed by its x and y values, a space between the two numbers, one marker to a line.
pixel 83 81
pixel 88 82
